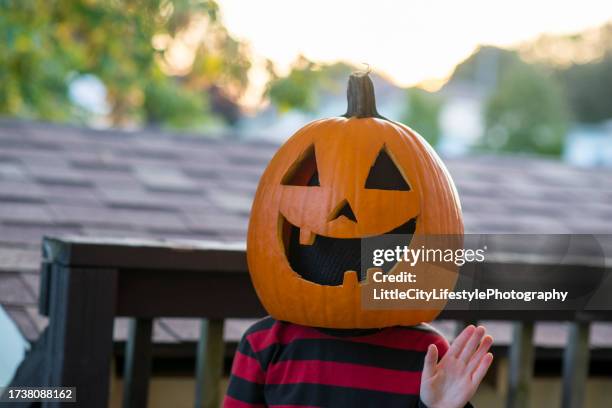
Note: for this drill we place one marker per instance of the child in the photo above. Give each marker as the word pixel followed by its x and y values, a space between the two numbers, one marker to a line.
pixel 335 182
pixel 280 364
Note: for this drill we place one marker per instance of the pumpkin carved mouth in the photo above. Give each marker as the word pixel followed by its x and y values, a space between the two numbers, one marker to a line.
pixel 325 260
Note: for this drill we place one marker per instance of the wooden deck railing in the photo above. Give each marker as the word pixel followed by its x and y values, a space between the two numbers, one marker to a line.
pixel 86 283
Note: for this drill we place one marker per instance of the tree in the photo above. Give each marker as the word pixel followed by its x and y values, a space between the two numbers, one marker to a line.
pixel 422 113
pixel 526 113
pixel 131 46
pixel 305 84
pixel 485 66
pixel 583 63
pixel 588 88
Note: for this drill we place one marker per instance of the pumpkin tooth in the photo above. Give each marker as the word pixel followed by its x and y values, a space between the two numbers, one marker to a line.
pixel 350 279
pixel 307 237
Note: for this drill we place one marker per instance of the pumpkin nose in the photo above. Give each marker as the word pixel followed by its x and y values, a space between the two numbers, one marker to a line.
pixel 344 208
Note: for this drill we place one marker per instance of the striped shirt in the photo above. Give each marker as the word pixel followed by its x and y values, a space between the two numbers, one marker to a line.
pixel 285 365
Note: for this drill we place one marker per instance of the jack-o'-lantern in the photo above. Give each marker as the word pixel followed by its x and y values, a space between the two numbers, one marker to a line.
pixel 334 182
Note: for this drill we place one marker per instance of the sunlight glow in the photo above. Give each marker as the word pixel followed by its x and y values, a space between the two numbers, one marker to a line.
pixel 411 42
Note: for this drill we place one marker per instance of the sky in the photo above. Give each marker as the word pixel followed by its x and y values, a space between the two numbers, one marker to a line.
pixel 410 42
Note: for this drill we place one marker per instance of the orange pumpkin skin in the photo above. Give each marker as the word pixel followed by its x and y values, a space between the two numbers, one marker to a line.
pixel 345 149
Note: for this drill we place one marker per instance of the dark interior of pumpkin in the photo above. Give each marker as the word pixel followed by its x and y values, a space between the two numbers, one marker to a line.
pixel 326 259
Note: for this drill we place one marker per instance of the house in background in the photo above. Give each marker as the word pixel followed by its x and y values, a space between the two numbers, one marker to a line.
pixel 590 145
pixel 58 180
pixel 461 117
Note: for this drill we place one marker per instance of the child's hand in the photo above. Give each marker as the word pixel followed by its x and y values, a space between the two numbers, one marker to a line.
pixel 454 380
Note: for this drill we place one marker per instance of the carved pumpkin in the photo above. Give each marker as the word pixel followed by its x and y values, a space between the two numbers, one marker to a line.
pixel 334 182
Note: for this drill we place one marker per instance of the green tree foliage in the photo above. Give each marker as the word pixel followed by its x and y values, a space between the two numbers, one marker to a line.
pixel 583 62
pixel 588 87
pixel 128 45
pixel 305 84
pixel 422 114
pixel 526 113
pixel 485 66
pixel 525 107
pixel 296 90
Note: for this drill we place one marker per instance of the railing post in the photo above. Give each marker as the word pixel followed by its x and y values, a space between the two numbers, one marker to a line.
pixel 209 364
pixel 521 366
pixel 138 360
pixel 460 325
pixel 575 365
pixel 80 337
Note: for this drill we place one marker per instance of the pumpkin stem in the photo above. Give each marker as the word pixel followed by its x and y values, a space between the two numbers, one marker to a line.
pixel 360 97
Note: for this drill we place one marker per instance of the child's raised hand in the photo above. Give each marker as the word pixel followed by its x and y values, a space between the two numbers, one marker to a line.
pixel 454 380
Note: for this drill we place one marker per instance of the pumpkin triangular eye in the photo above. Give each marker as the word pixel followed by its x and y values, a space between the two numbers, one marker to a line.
pixel 304 171
pixel 384 174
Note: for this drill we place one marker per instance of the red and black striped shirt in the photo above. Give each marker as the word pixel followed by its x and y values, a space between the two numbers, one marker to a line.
pixel 285 365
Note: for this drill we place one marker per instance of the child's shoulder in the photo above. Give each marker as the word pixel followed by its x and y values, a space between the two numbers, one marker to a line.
pixel 425 334
pixel 268 331
pixel 264 332
pixel 423 327
pixel 269 325
pixel 265 323
pixel 257 337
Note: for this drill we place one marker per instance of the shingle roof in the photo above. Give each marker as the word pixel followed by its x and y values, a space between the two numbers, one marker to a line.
pixel 59 180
